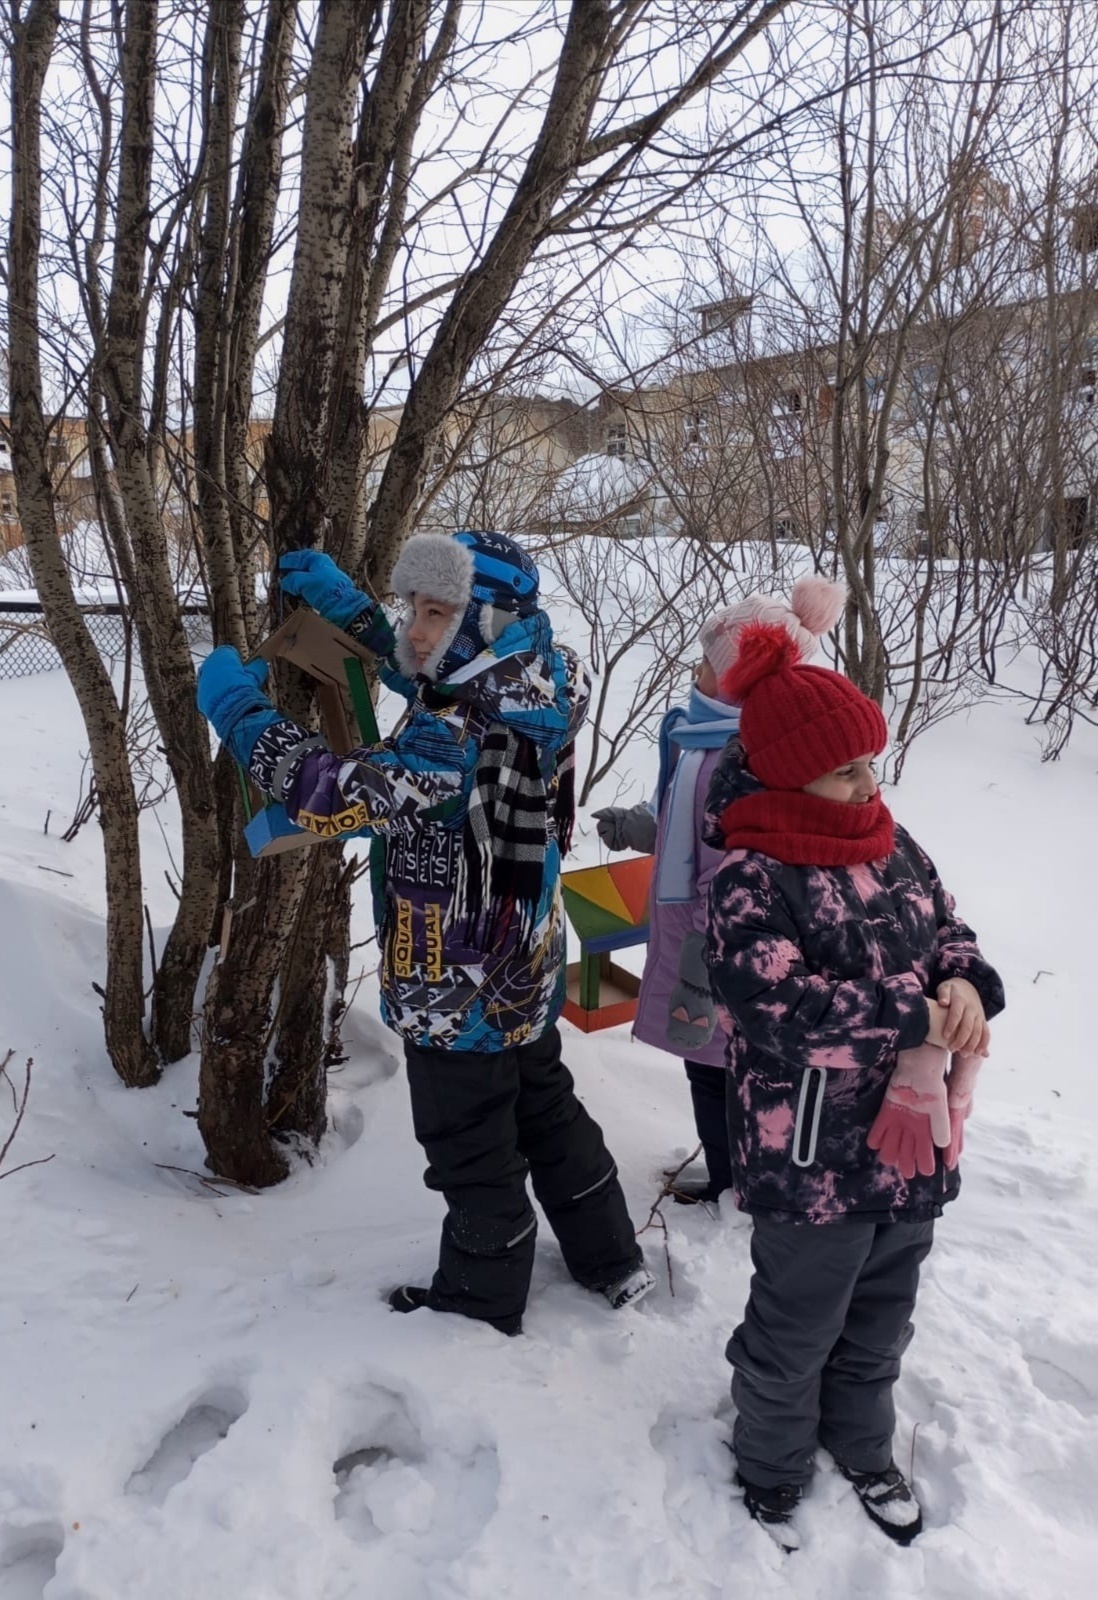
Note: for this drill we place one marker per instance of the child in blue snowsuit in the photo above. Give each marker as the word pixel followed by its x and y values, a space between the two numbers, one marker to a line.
pixel 473 799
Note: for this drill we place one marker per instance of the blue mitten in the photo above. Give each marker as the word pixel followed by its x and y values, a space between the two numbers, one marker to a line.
pixel 312 576
pixel 230 696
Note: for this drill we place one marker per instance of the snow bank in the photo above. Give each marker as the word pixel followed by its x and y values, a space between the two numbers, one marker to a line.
pixel 204 1393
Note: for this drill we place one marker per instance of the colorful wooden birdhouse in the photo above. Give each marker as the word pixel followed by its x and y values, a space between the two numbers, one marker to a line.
pixel 336 662
pixel 608 908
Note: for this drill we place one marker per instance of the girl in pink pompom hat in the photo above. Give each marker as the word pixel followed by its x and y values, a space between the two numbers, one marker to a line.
pixel 812 610
pixel 675 1012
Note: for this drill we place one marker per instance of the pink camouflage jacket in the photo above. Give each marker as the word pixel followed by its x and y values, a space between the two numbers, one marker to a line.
pixel 819 977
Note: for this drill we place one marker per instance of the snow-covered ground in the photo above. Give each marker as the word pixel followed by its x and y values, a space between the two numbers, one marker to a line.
pixel 202 1392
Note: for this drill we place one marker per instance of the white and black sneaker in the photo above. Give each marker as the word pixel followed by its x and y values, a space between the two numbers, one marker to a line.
pixel 628 1290
pixel 888 1500
pixel 773 1510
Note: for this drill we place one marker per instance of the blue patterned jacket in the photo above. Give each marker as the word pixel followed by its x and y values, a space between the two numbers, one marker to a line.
pixel 412 790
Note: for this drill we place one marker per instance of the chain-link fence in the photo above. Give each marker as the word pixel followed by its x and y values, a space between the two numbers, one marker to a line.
pixel 26 646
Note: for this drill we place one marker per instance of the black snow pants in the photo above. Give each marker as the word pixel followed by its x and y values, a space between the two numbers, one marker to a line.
pixel 816 1356
pixel 484 1121
pixel 707 1091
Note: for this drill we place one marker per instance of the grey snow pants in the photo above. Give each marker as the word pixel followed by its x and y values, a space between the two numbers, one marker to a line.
pixel 818 1351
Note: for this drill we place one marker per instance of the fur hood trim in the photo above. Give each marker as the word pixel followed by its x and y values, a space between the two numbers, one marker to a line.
pixel 436 565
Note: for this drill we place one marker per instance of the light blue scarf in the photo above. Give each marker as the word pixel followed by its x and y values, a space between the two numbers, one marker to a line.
pixel 702 724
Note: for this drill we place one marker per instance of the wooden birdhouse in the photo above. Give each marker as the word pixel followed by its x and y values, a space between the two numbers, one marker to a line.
pixel 336 662
pixel 608 908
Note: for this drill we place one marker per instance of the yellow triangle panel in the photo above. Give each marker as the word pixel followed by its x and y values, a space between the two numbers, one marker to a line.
pixel 596 885
pixel 591 921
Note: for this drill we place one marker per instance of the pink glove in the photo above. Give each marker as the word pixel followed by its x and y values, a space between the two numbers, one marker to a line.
pixel 915 1116
pixel 959 1088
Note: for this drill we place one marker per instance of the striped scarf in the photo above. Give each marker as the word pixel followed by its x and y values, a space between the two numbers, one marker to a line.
pixel 501 867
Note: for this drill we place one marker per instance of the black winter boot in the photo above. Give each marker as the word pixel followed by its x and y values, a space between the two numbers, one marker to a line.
pixel 407 1298
pixel 773 1510
pixel 410 1297
pixel 888 1500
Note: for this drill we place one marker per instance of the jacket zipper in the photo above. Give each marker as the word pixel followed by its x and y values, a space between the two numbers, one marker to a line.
pixel 806 1129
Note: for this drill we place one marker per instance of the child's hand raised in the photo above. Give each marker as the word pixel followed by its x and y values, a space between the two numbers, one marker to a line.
pixel 964 1026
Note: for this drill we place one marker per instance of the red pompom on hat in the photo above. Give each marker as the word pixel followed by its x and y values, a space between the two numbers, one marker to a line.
pixel 797 723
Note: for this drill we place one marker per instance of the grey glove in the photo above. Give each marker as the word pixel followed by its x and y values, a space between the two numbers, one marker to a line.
pixel 692 995
pixel 627 828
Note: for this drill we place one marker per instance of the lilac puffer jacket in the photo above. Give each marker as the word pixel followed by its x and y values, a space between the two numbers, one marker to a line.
pixel 669 925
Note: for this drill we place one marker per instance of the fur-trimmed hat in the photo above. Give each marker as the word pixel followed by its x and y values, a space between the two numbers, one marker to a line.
pixel 486 578
pixel 812 610
pixel 797 723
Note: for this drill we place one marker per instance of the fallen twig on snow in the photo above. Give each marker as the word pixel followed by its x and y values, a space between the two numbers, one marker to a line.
pixel 19 1104
pixel 208 1183
pixel 657 1218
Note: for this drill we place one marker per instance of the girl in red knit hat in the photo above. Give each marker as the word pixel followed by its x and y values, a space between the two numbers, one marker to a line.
pixel 675 1010
pixel 856 1004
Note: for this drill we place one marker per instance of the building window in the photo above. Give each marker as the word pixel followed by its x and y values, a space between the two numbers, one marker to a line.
pixel 631 525
pixel 694 429
pixel 1073 521
pixel 438 457
pixel 722 314
pixel 791 402
pixel 617 439
pixel 924 386
pixel 786 436
pixel 1084 228
pixel 5 505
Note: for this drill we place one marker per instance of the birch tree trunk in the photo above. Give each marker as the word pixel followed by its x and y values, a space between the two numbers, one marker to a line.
pixel 275 932
pixel 123 992
pixel 212 315
pixel 166 657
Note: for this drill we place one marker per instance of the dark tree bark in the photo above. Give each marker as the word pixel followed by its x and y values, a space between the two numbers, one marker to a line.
pixel 166 657
pixel 123 1003
pixel 278 928
pixel 254 212
pixel 212 317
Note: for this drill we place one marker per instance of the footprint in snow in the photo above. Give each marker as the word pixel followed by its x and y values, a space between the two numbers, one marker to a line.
pixel 698 1493
pixel 1067 1373
pixel 391 1483
pixel 28 1559
pixel 348 1126
pixel 201 1427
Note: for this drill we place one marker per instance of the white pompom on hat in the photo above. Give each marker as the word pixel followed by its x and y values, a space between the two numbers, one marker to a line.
pixel 812 610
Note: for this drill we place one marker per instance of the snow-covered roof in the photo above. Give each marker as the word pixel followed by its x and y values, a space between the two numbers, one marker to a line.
pixel 597 485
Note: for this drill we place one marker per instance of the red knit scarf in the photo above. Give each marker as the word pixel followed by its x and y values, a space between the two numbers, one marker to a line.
pixel 805 830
